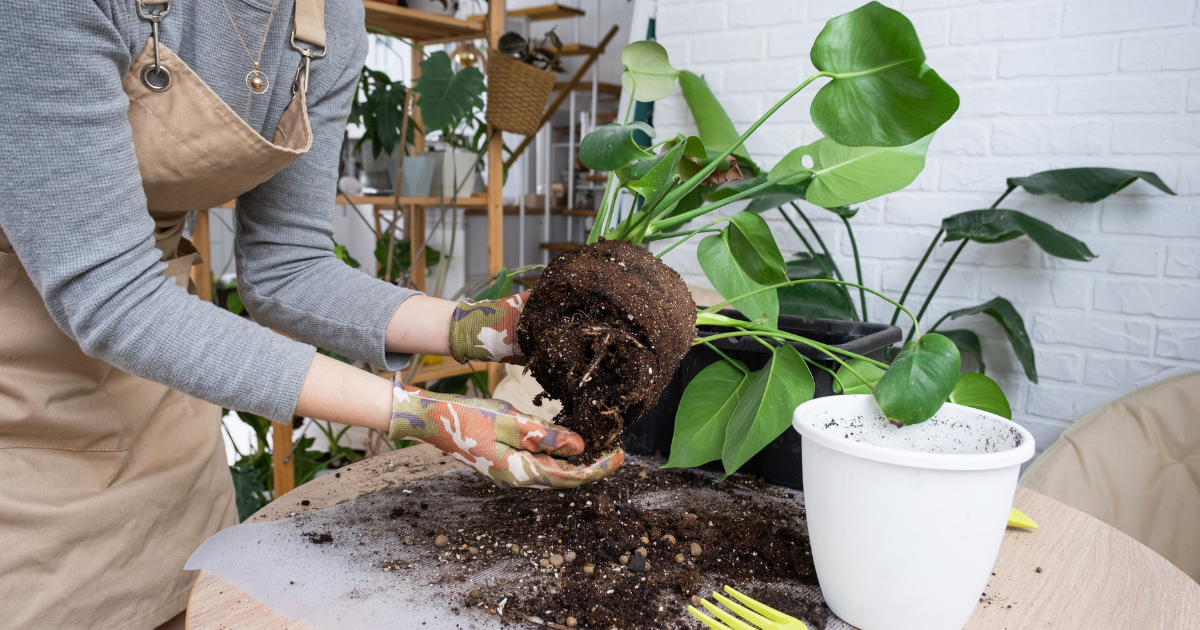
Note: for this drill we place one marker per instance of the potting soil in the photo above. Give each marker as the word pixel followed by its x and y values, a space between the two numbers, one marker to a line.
pixel 455 552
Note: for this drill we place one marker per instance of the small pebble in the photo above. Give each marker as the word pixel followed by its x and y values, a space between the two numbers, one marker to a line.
pixel 696 601
pixel 696 550
pixel 1039 569
pixel 556 560
pixel 669 539
pixel 645 540
pixel 642 474
pixel 572 622
pixel 441 541
pixel 375 532
pixel 638 563
pixel 408 540
pixel 545 564
pixel 569 556
pixel 589 568
pixel 516 549
pixel 306 502
pixel 475 594
pixel 624 560
pixel 679 558
pixel 474 551
pixel 641 551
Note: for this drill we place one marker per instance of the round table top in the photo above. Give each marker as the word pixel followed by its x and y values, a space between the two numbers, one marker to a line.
pixel 1073 572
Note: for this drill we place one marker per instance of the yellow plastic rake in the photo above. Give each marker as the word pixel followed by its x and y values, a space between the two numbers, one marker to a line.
pixel 759 614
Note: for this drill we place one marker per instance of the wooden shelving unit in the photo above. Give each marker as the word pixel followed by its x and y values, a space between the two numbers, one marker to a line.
pixel 607 89
pixel 546 12
pixel 420 26
pixel 577 50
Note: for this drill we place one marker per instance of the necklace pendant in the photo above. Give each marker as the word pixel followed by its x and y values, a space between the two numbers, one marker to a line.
pixel 256 82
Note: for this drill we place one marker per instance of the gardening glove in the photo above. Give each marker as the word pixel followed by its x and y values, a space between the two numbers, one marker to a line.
pixel 511 448
pixel 487 330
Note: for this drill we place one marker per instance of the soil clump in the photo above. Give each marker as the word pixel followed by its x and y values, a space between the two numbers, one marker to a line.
pixel 604 331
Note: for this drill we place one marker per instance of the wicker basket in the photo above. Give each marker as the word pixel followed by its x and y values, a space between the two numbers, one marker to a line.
pixel 517 94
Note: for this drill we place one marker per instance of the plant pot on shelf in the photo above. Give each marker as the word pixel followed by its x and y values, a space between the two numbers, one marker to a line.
pixel 779 462
pixel 905 523
pixel 517 94
pixel 450 166
pixel 381 172
pixel 440 7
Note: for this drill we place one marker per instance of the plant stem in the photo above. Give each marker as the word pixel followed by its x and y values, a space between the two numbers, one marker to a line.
pixel 913 278
pixel 1010 189
pixel 603 217
pixel 687 216
pixel 690 235
pixel 818 364
pixel 929 298
pixel 938 322
pixel 820 241
pixel 674 196
pixel 718 307
pixel 828 350
pixel 736 364
pixel 862 295
pixel 812 252
pixel 661 236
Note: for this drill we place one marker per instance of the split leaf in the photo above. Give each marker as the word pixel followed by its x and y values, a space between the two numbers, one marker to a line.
pixel 998 226
pixel 730 281
pixel 447 97
pixel 847 382
pixel 765 411
pixel 648 74
pixel 919 380
pixel 704 412
pixel 1085 185
pixel 882 93
pixel 980 392
pixel 842 175
pixel 613 146
pixel 968 344
pixel 754 248
pixel 1006 314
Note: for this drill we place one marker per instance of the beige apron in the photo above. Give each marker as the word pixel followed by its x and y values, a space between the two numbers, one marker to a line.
pixel 108 482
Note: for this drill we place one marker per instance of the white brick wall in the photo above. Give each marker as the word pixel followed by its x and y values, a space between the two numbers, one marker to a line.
pixel 1043 85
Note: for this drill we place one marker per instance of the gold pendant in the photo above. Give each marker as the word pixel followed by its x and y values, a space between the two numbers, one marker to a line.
pixel 256 82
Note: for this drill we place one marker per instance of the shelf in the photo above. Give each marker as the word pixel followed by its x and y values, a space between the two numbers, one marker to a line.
pixel 420 26
pixel 546 12
pixel 558 247
pixel 580 213
pixel 609 89
pixel 474 201
pixel 576 50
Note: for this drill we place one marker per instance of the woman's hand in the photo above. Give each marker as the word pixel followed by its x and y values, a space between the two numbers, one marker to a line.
pixel 491 436
pixel 487 330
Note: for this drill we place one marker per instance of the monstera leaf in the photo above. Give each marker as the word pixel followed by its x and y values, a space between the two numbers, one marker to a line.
pixel 919 380
pixel 882 93
pixel 997 226
pixel 1007 316
pixel 727 277
pixel 613 147
pixel 648 74
pixel 841 175
pixel 1085 185
pixel 447 97
pixel 815 299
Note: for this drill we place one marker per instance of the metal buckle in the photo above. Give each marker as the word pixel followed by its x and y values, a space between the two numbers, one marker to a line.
pixel 300 83
pixel 154 18
pixel 309 52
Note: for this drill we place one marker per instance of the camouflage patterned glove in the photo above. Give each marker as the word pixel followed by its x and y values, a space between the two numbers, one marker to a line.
pixel 491 436
pixel 487 330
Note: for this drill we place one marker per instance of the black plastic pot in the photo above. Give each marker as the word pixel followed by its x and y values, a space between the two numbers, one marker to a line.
pixel 779 462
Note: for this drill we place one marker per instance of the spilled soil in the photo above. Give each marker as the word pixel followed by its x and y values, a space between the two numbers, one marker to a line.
pixel 604 331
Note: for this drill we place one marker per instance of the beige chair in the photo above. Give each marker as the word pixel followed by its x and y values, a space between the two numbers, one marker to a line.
pixel 1134 463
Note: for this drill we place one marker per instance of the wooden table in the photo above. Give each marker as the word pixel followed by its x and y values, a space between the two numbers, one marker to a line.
pixel 1091 575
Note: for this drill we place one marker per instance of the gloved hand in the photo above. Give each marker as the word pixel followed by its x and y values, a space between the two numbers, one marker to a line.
pixel 487 330
pixel 491 436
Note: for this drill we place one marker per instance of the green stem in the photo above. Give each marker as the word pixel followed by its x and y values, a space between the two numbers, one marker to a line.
pixel 828 350
pixel 812 252
pixel 690 235
pixel 1010 189
pixel 688 216
pixel 674 196
pixel 929 298
pixel 820 241
pixel 718 307
pixel 913 278
pixel 736 364
pixel 818 364
pixel 862 295
pixel 938 322
pixel 661 236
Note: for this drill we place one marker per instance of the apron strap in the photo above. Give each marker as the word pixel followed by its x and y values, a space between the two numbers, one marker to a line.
pixel 310 22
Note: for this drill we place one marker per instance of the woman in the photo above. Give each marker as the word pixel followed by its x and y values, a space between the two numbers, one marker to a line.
pixel 119 118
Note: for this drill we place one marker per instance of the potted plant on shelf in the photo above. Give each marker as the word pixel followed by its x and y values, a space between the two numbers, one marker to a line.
pixel 440 7
pixel 379 106
pixel 450 103
pixel 521 75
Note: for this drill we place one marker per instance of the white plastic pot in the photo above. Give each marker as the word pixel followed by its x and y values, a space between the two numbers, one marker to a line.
pixel 452 167
pixel 905 523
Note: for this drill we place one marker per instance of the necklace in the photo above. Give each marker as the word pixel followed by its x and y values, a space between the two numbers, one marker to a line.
pixel 256 80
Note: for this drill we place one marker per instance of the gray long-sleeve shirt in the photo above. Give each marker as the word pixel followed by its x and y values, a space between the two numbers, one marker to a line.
pixel 72 205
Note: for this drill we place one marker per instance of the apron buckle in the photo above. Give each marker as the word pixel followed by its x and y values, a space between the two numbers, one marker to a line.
pixel 300 83
pixel 154 18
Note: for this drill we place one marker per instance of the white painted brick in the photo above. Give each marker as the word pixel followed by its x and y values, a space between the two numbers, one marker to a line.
pixel 821 11
pixel 1115 256
pixel 1183 261
pixel 1189 178
pixel 1059 59
pixel 1123 375
pixel 885 242
pixel 1150 217
pixel 958 65
pixel 1004 23
pixel 959 283
pixel 1193 95
pixel 1006 99
pixel 678 51
pixel 1057 137
pixel 793 42
pixel 961 138
pixel 1167 51
pixel 971 175
pixel 1066 291
pixel 1058 366
pixel 1145 298
pixel 777 143
pixel 1165 136
pixel 761 78
pixel 1086 17
pixel 1045 432
pixel 1178 342
pixel 1089 331
pixel 915 209
pixel 747 46
pixel 1063 403
pixel 918 5
pixel 760 13
pixel 932 28
pixel 1121 96
pixel 685 19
